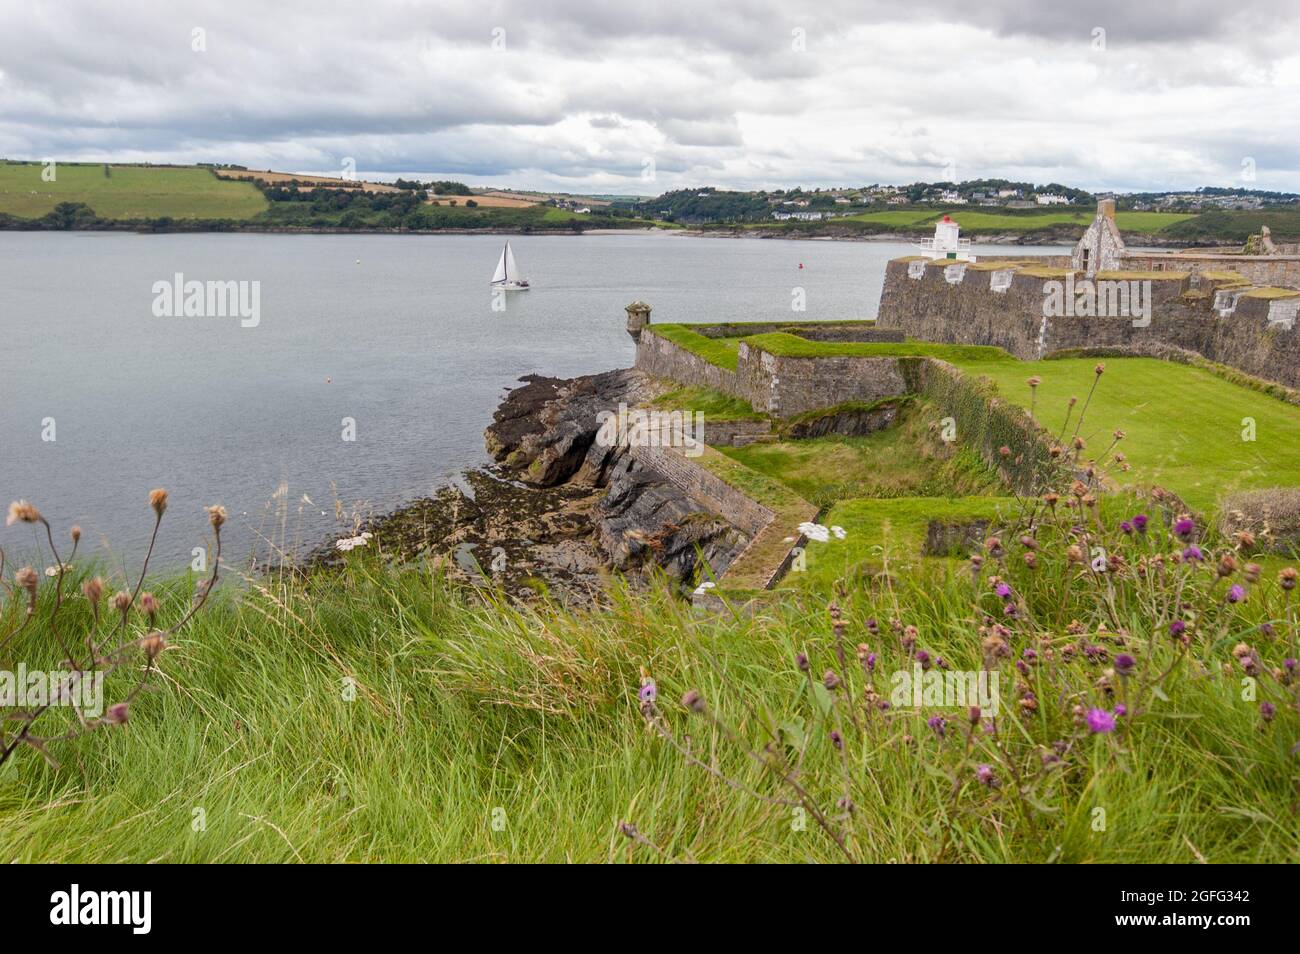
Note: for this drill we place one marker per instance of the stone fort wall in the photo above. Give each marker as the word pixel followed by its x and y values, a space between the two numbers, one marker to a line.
pixel 1219 315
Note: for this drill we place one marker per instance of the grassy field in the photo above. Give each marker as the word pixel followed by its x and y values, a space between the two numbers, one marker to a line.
pixel 1184 426
pixel 127 192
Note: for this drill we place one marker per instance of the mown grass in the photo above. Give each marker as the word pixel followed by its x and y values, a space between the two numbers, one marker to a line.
pixel 788 345
pixel 1185 427
pixel 127 192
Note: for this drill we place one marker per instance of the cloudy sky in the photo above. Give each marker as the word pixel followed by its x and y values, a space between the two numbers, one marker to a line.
pixel 649 95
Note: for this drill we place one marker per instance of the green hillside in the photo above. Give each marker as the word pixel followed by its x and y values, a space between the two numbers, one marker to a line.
pixel 127 192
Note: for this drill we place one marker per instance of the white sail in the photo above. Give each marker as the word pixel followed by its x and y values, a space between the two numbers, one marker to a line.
pixel 499 275
pixel 512 270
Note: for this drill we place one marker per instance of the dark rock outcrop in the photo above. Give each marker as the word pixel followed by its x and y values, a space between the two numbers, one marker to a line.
pixel 560 511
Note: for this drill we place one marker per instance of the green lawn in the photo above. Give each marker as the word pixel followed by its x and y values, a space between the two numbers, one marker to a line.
pixel 792 346
pixel 127 192
pixel 1184 425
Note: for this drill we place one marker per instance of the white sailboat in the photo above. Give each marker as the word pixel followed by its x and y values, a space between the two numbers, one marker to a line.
pixel 507 274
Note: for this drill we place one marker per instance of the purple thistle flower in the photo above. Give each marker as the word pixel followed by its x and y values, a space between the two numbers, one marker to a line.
pixel 872 625
pixel 1267 710
pixel 984 773
pixel 1003 590
pixel 1127 528
pixel 1121 710
pixel 648 692
pixel 1289 663
pixel 1193 552
pixel 1236 593
pixel 1177 628
pixel 1009 610
pixel 871 661
pixel 938 724
pixel 1140 523
pixel 1099 721
pixel 1124 664
pixel 836 739
pixel 1184 527
pixel 801 660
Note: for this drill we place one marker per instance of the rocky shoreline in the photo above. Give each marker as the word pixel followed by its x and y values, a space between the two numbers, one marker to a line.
pixel 558 513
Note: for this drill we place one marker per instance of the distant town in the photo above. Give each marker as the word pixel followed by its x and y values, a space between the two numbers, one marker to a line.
pixel 47 194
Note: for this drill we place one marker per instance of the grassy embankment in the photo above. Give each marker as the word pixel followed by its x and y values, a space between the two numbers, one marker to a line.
pixel 483 732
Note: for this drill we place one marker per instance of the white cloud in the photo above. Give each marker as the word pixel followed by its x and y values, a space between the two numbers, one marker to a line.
pixel 584 92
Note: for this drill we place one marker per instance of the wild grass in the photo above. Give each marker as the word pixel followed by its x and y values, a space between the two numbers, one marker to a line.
pixel 899 461
pixel 383 715
pixel 714 405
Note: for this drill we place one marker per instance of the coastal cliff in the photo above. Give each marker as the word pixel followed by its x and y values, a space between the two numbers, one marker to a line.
pixel 558 513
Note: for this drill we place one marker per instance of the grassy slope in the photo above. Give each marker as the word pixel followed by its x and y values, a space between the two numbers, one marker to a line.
pixel 888 463
pixel 1184 425
pixel 463 709
pixel 895 527
pixel 130 192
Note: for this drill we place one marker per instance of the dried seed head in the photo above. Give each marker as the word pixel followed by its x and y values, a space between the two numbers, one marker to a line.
pixel 149 605
pixel 158 500
pixel 93 589
pixel 216 516
pixel 21 510
pixel 1287 578
pixel 121 601
pixel 75 533
pixel 27 578
pixel 153 644
pixel 693 700
pixel 117 713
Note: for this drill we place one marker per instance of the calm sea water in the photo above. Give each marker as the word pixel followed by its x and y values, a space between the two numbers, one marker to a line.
pixel 394 332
